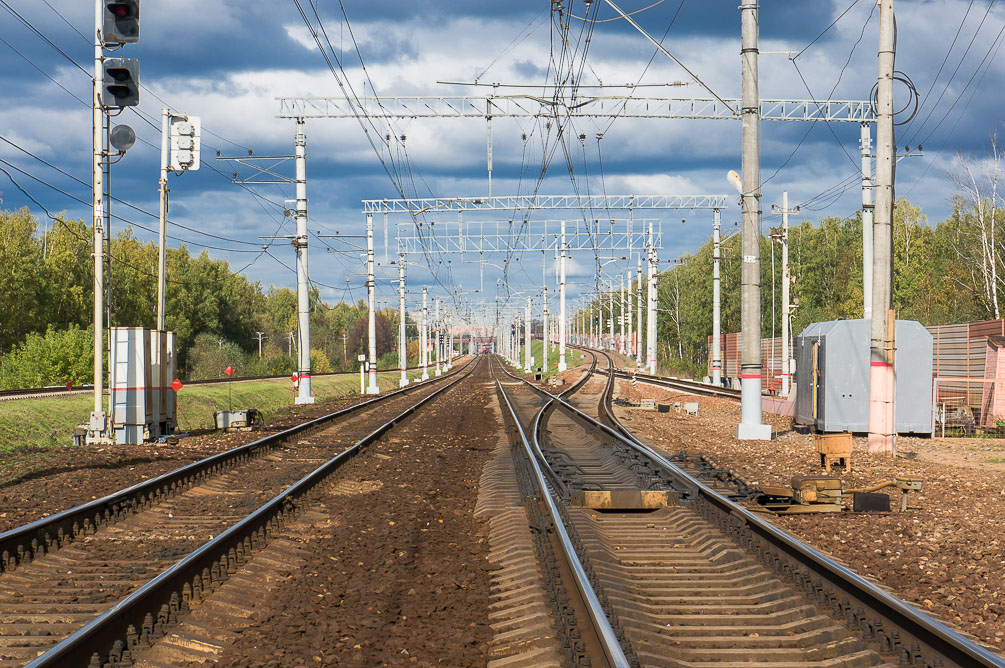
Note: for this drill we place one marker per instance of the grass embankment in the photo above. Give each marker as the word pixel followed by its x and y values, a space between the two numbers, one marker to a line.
pixel 45 423
pixel 572 357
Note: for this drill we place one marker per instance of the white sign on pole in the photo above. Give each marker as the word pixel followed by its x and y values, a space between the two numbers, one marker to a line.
pixel 186 133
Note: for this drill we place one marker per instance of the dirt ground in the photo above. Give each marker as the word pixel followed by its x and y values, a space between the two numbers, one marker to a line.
pixel 946 554
pixel 38 483
pixel 400 577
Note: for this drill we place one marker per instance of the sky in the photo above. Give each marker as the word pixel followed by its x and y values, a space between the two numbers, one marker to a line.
pixel 228 61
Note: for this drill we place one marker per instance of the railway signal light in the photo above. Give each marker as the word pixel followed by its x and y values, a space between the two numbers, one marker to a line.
pixel 122 22
pixel 121 82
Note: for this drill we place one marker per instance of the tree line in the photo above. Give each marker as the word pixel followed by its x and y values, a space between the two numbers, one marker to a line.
pixel 46 306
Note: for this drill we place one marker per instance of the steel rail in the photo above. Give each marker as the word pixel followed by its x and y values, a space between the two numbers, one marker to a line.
pixel 689 386
pixel 24 543
pixel 102 634
pixel 736 521
pixel 606 635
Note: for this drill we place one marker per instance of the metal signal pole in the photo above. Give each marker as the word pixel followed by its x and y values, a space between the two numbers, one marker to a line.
pixel 865 145
pixel 750 426
pixel 882 429
pixel 98 424
pixel 162 232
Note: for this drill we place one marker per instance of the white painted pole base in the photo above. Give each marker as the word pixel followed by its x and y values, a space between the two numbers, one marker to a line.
pixel 425 374
pixel 304 391
pixel 562 366
pixel 372 387
pixel 750 427
pixel 404 379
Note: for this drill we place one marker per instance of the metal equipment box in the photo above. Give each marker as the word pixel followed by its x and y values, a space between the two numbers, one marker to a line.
pixel 832 373
pixel 131 394
pixel 141 367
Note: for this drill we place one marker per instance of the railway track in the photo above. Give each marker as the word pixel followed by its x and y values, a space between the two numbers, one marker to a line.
pixel 695 579
pixel 97 584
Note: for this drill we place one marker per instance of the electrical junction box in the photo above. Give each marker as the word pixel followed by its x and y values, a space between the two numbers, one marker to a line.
pixel 832 373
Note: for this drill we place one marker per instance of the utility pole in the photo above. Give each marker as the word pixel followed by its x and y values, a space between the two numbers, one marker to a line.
pixel 98 424
pixel 371 318
pixel 402 347
pixel 526 339
pixel 865 145
pixel 786 364
pixel 303 282
pixel 716 300
pixel 651 307
pixel 750 426
pixel 882 429
pixel 260 335
pixel 424 336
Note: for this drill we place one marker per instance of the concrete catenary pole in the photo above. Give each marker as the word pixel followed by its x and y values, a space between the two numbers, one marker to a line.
pixel 639 339
pixel 865 145
pixel 424 336
pixel 304 395
pixel 750 426
pixel 881 376
pixel 526 339
pixel 651 306
pixel 437 326
pixel 371 318
pixel 629 346
pixel 621 317
pixel 402 344
pixel 546 335
pixel 716 299
pixel 786 364
pixel 562 363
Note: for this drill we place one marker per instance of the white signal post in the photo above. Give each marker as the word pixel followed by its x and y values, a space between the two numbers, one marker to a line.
pixel 98 424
